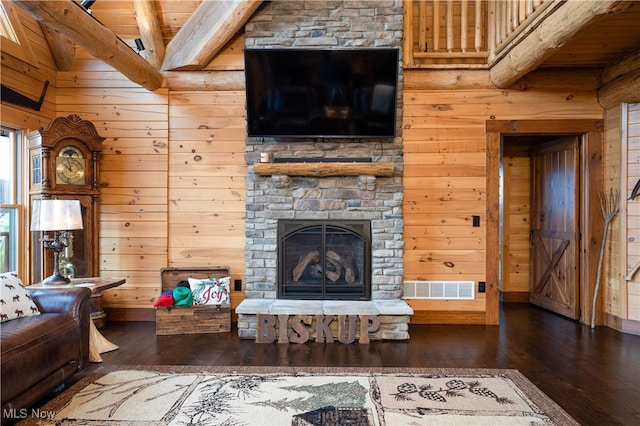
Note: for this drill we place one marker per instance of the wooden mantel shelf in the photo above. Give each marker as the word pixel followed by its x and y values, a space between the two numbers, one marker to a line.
pixel 324 169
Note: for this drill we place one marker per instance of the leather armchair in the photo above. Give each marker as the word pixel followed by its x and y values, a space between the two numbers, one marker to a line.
pixel 39 353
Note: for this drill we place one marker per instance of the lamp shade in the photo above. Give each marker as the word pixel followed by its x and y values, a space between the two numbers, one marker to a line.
pixel 56 215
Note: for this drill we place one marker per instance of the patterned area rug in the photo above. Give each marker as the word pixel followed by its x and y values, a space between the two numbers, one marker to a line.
pixel 175 395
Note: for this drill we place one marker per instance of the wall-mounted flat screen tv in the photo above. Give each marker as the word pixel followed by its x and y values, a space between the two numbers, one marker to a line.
pixel 333 93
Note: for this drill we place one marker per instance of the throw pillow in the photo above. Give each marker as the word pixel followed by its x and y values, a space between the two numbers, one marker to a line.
pixel 210 291
pixel 15 302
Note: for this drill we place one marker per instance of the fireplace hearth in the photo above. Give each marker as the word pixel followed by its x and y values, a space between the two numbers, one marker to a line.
pixel 324 260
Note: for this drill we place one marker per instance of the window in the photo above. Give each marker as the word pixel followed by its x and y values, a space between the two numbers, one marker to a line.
pixel 13 38
pixel 6 29
pixel 10 199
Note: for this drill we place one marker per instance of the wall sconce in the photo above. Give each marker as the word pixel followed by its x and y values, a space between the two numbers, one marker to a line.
pixel 59 217
pixel 139 45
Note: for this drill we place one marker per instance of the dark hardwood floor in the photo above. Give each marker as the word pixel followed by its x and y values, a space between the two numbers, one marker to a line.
pixel 593 374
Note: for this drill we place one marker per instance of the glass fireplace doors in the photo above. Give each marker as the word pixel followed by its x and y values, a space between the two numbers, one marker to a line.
pixel 324 260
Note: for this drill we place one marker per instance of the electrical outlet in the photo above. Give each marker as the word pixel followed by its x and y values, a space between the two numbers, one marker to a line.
pixel 476 221
pixel 482 287
pixel 237 285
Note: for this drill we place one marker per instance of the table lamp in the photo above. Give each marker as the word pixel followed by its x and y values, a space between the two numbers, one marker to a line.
pixel 59 217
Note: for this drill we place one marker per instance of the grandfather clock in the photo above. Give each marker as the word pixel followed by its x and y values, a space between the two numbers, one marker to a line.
pixel 64 165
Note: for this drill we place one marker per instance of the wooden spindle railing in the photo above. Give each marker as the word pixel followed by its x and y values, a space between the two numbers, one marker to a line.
pixel 436 27
pixel 463 33
pixel 445 33
pixel 509 18
pixel 463 25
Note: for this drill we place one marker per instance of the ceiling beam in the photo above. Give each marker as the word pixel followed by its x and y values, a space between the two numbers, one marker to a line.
pixel 621 90
pixel 206 80
pixel 621 82
pixel 551 34
pixel 208 29
pixel 150 29
pixel 62 49
pixel 624 66
pixel 72 21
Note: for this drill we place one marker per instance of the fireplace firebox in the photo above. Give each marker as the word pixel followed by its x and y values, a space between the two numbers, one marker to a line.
pixel 324 259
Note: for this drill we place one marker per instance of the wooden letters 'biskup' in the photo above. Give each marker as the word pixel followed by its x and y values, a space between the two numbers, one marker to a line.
pixel 298 329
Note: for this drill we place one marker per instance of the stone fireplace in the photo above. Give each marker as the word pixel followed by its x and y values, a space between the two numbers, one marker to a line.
pixel 325 192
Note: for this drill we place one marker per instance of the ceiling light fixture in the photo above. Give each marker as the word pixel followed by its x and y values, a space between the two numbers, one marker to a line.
pixel 139 45
pixel 86 5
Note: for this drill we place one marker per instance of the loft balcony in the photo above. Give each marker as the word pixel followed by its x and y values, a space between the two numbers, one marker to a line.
pixel 514 37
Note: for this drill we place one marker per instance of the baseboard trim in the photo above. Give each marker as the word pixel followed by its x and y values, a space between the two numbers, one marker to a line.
pixel 622 325
pixel 448 317
pixel 514 296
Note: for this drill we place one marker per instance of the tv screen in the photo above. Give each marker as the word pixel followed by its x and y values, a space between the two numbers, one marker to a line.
pixel 348 93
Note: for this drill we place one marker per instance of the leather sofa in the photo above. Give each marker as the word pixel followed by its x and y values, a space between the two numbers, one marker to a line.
pixel 39 353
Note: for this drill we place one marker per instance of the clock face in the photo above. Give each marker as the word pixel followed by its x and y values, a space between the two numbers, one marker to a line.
pixel 70 166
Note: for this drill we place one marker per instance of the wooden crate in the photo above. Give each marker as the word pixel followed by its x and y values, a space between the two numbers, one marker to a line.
pixel 197 318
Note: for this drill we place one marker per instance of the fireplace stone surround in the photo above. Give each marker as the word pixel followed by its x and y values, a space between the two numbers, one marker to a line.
pixel 326 192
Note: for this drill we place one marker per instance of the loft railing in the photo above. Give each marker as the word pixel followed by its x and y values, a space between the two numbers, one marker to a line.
pixel 508 20
pixel 445 33
pixel 463 33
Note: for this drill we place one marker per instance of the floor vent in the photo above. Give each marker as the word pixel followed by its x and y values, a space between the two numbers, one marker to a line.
pixel 439 289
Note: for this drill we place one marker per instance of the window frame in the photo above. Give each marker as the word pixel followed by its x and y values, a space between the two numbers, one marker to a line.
pixel 20 48
pixel 18 203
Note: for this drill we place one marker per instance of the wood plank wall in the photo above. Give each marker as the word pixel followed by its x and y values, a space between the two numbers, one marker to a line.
pixel 206 181
pixel 29 79
pixel 133 174
pixel 611 295
pixel 621 299
pixel 517 227
pixel 445 169
pixel 172 178
pixel 207 172
pixel 632 209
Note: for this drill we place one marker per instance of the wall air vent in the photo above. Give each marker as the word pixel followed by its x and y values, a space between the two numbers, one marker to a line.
pixel 439 290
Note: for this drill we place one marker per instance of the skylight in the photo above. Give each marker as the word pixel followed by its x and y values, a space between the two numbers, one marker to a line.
pixel 12 36
pixel 6 29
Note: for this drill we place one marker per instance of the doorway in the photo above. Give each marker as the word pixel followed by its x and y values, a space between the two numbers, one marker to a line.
pixel 540 218
pixel 562 156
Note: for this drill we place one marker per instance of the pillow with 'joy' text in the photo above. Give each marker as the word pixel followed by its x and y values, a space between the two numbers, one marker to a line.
pixel 210 291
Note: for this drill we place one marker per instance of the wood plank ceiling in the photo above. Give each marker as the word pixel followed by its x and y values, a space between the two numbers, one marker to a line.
pixel 191 43
pixel 187 34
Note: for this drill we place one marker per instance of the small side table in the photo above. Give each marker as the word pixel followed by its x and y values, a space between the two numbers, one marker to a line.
pixel 98 344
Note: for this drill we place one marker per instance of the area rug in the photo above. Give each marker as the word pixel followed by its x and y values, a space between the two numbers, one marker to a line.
pixel 175 395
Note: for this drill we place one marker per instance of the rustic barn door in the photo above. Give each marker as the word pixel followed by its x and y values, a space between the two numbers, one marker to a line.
pixel 555 227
